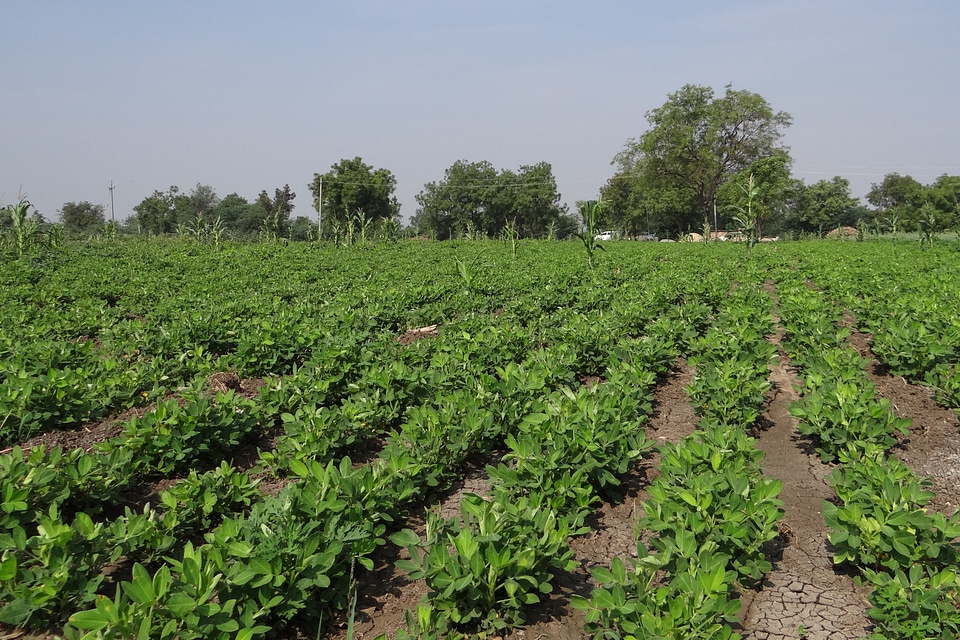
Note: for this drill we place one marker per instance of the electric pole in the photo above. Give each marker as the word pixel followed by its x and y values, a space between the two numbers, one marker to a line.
pixel 320 209
pixel 112 217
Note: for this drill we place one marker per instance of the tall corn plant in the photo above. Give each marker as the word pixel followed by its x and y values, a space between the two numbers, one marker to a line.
pixel 591 212
pixel 25 229
pixel 748 214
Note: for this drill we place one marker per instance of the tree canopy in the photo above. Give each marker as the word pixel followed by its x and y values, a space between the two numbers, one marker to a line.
pixel 826 204
pixel 696 142
pixel 899 201
pixel 82 217
pixel 770 177
pixel 157 212
pixel 352 186
pixel 474 197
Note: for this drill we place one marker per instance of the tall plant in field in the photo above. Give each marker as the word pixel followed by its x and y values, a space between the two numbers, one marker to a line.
pixel 590 211
pixel 929 227
pixel 511 234
pixel 748 214
pixel 25 229
pixel 362 223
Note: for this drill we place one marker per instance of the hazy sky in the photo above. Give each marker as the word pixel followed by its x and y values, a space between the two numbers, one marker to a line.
pixel 245 96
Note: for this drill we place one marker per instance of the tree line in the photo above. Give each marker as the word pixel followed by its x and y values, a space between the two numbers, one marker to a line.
pixel 702 159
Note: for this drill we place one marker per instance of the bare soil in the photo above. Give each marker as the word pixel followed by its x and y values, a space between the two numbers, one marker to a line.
pixel 804 595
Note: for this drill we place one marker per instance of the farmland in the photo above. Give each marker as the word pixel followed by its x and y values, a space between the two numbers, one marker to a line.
pixel 480 439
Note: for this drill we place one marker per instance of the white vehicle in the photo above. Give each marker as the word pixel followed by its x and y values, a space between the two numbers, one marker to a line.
pixel 605 235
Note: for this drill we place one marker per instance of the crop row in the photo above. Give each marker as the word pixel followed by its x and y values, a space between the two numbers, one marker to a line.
pixel 217 558
pixel 301 546
pixel 710 510
pixel 115 327
pixel 878 524
pixel 907 302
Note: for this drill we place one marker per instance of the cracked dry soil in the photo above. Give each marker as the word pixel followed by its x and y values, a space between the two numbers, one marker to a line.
pixel 804 595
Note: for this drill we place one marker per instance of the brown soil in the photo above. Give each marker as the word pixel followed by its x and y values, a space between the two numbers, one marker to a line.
pixel 933 447
pixel 414 335
pixel 87 436
pixel 804 592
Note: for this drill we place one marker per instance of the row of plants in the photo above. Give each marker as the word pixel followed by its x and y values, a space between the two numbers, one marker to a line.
pixel 906 300
pixel 423 453
pixel 879 524
pixel 197 430
pixel 513 336
pixel 485 568
pixel 89 332
pixel 710 511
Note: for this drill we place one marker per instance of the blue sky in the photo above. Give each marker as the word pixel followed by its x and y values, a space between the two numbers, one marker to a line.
pixel 245 96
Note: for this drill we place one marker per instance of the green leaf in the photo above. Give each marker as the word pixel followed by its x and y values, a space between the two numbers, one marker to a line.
pixel 92 620
pixel 8 569
pixel 180 604
pixel 405 538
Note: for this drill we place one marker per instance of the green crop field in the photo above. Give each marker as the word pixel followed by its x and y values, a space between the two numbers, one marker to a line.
pixel 221 442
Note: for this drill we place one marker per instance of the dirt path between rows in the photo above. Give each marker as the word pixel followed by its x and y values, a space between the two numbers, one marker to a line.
pixel 804 596
pixel 933 446
pixel 385 593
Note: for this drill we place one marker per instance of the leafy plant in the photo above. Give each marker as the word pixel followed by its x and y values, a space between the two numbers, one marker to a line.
pixel 591 213
pixel 47 575
pixel 632 601
pixel 182 600
pixel 915 603
pixel 881 521
pixel 712 489
pixel 845 414
pixel 173 437
pixel 484 571
pixel 26 230
pixel 748 214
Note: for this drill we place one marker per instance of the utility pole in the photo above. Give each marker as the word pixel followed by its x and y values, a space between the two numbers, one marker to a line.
pixel 320 209
pixel 716 227
pixel 112 217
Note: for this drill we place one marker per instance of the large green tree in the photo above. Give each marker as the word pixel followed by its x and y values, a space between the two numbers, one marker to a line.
pixel 697 141
pixel 896 200
pixel 157 213
pixel 824 205
pixel 271 216
pixel 773 185
pixel 352 186
pixel 82 217
pixel 635 203
pixel 237 214
pixel 474 197
pixel 944 196
pixel 200 202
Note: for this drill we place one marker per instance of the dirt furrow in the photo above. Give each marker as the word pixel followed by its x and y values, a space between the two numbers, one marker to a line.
pixel 804 596
pixel 933 447
pixel 612 533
